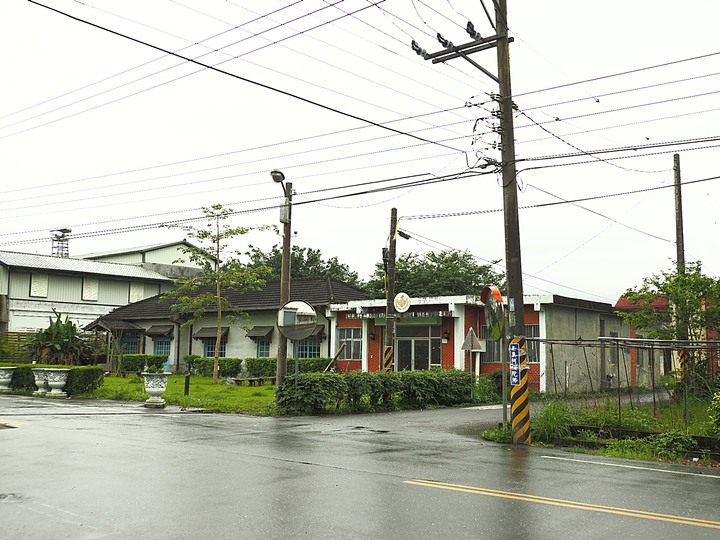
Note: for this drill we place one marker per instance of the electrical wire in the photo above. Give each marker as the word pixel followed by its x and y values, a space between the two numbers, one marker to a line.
pixel 562 202
pixel 239 77
pixel 618 74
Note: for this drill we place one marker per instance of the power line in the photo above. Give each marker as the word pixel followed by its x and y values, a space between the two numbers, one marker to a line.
pixel 597 97
pixel 239 77
pixel 502 267
pixel 619 74
pixel 562 202
pixel 405 185
pixel 635 147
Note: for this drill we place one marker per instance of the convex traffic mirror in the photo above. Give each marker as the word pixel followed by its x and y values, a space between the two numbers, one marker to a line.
pixel 296 320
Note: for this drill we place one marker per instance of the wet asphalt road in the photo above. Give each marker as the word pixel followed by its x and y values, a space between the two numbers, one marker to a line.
pixel 70 469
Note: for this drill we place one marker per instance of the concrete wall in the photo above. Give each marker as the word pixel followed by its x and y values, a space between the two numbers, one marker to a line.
pixel 569 367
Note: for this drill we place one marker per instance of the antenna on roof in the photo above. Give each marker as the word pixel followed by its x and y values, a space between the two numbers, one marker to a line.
pixel 60 243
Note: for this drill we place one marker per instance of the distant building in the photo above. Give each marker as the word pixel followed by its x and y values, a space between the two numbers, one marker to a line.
pixel 150 327
pixel 432 332
pixel 32 286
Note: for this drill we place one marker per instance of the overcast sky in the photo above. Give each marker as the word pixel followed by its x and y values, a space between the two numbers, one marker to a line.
pixel 110 137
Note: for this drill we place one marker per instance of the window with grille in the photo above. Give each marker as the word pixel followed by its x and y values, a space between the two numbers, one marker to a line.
pixel 263 348
pixel 209 348
pixel 533 347
pixel 309 348
pixel 352 338
pixel 130 343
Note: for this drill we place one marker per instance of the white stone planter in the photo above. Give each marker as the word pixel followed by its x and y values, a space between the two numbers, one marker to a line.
pixel 6 374
pixel 40 381
pixel 56 380
pixel 155 385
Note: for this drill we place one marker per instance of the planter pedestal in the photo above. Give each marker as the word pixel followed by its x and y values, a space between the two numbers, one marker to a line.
pixel 155 385
pixel 56 379
pixel 6 374
pixel 40 375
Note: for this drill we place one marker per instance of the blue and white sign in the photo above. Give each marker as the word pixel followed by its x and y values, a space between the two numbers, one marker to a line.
pixel 514 364
pixel 515 355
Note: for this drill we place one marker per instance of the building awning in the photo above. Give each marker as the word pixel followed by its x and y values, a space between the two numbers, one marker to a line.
pixel 112 325
pixel 260 332
pixel 159 330
pixel 211 332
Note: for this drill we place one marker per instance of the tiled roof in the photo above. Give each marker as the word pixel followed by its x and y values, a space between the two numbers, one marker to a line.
pixel 31 261
pixel 624 304
pixel 318 292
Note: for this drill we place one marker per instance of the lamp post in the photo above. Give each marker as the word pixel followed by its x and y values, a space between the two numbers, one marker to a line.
pixel 285 219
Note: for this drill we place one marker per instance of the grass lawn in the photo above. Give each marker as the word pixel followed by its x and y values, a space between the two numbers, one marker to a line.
pixel 225 398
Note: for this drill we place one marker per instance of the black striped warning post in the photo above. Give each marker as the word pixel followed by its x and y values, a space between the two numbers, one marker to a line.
pixel 388 359
pixel 519 391
pixel 684 357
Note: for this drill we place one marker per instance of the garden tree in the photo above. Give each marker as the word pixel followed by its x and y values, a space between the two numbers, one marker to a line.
pixel 694 309
pixel 304 263
pixel 193 296
pixel 436 274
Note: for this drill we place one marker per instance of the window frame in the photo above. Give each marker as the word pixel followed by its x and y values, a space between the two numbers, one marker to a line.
pixel 263 347
pixel 353 342
pixel 209 348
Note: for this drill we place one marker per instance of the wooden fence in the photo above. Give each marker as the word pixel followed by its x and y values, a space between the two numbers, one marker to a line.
pixel 13 347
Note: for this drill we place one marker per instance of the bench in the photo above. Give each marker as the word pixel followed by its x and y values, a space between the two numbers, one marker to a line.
pixel 252 381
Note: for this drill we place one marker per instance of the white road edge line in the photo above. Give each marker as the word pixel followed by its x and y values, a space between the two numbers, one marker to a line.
pixel 631 467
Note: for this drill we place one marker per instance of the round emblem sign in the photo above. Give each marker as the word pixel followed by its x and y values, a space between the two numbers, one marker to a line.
pixel 401 302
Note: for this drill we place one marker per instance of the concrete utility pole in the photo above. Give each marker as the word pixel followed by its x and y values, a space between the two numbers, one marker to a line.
pixel 679 236
pixel 516 313
pixel 389 262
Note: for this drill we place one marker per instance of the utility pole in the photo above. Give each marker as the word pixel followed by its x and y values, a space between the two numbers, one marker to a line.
pixel 679 236
pixel 501 41
pixel 516 307
pixel 516 313
pixel 286 220
pixel 684 357
pixel 389 255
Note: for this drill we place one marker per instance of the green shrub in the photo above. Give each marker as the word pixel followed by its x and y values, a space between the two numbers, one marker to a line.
pixel 81 379
pixel 500 435
pixel 60 343
pixel 435 387
pixel 671 444
pixel 256 367
pixel 714 414
pixel 138 362
pixel 606 416
pixel 311 393
pixel 552 422
pixel 261 367
pixel 496 376
pixel 486 391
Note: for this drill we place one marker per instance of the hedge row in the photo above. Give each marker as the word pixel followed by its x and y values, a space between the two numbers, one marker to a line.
pixel 314 393
pixel 81 379
pixel 254 367
pixel 138 362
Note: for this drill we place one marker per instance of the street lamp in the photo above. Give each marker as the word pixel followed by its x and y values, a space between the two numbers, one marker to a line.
pixel 285 218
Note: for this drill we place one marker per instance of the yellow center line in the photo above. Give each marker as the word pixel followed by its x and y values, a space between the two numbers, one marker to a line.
pixel 567 504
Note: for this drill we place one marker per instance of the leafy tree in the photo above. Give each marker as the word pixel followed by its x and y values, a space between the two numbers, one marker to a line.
pixel 436 274
pixel 694 308
pixel 304 263
pixel 193 296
